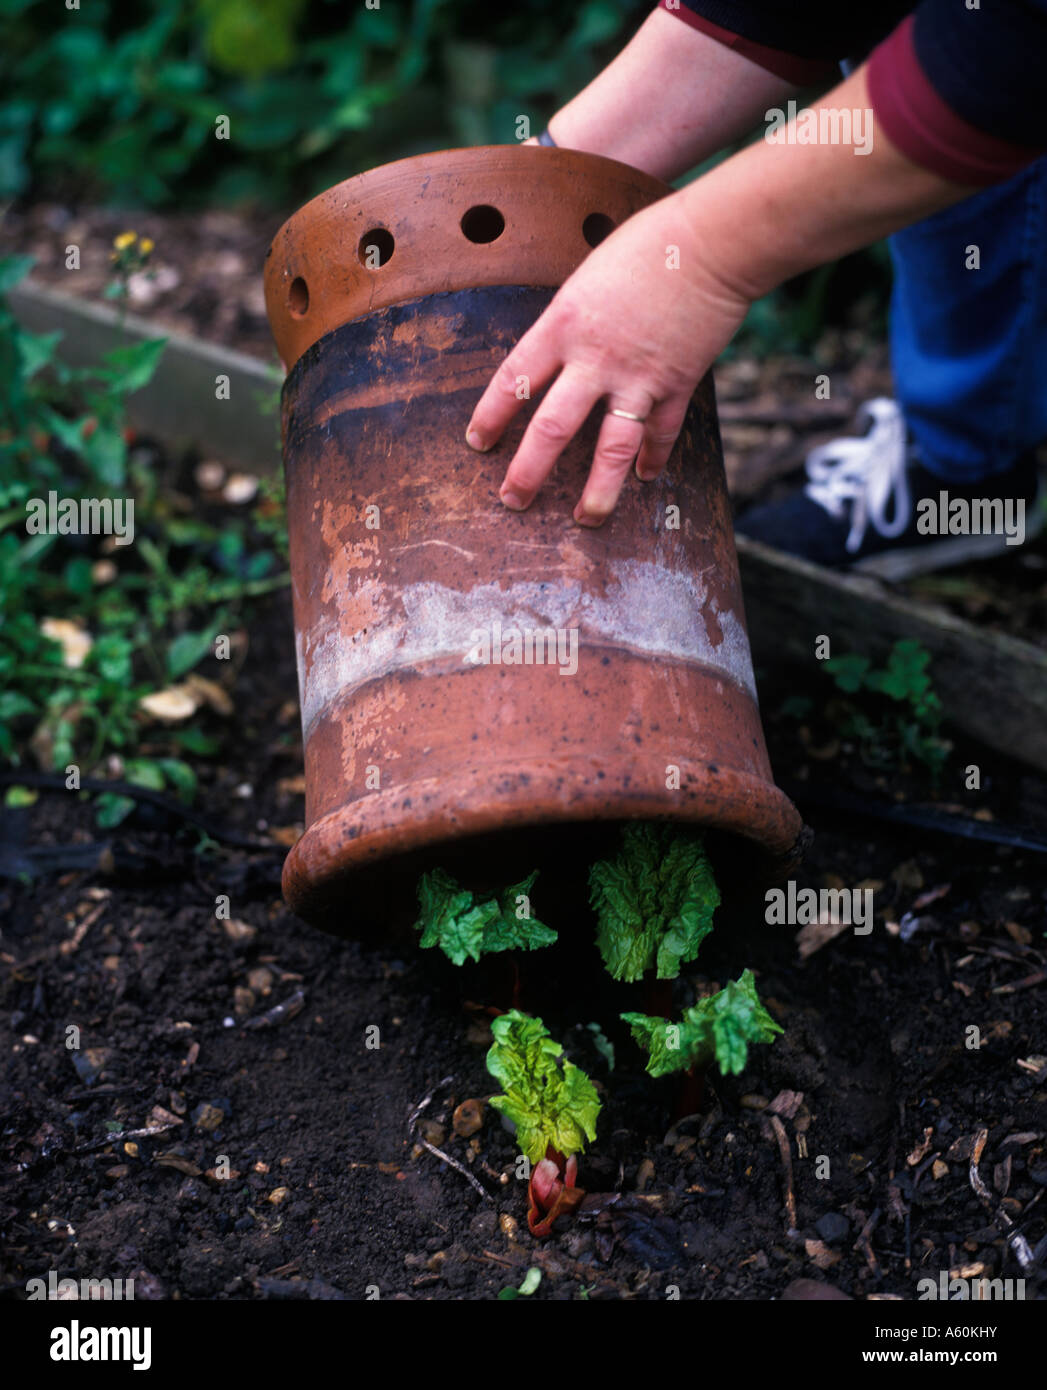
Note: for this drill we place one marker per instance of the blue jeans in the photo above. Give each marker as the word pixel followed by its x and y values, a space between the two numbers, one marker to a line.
pixel 969 347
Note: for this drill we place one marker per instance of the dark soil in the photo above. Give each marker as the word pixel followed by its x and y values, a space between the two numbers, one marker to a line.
pixel 328 1193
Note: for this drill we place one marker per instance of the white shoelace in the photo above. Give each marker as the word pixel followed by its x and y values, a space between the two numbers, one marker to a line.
pixel 867 472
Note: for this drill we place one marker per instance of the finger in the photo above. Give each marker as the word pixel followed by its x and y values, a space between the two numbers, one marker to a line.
pixel 661 431
pixel 533 362
pixel 554 424
pixel 616 448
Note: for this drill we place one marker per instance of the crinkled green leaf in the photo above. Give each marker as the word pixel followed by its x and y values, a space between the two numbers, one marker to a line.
pixel 452 919
pixel 654 902
pixel 449 919
pixel 548 1099
pixel 511 931
pixel 720 1027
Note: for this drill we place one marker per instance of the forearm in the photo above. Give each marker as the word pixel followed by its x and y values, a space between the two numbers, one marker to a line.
pixel 774 210
pixel 671 98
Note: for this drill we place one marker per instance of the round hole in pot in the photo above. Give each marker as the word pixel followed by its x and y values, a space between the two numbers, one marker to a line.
pixel 597 226
pixel 298 297
pixel 483 223
pixel 376 248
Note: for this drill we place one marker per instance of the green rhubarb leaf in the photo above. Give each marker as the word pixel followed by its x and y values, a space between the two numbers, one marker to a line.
pixel 547 1098
pixel 462 927
pixel 514 929
pixel 449 919
pixel 654 902
pixel 720 1028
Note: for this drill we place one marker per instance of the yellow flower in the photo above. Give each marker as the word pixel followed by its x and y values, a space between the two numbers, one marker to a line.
pixel 124 240
pixel 146 245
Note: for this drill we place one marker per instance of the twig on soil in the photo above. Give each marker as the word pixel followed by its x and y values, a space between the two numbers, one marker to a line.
pixel 149 1132
pixel 787 1165
pixel 279 1013
pixel 412 1134
pixel 864 1244
pixel 1039 978
pixel 86 1093
pixel 1014 1238
pixel 412 1119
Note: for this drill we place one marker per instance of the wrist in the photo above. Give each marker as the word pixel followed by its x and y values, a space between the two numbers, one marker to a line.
pixel 775 210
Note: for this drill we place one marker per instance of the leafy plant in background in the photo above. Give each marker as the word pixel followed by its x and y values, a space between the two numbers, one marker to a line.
pixel 553 1106
pixel 903 720
pixel 121 101
pixel 87 634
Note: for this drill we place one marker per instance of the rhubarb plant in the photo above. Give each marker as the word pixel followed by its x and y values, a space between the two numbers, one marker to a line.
pixel 719 1028
pixel 553 1106
pixel 463 927
pixel 654 901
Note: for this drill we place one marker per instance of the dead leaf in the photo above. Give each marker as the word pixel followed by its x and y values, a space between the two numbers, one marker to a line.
pixel 815 935
pixel 931 896
pixel 170 706
pixel 159 1116
pixel 183 1165
pixel 209 693
pixel 238 931
pixel 961 1149
pixel 786 1104
pixel 922 1149
pixel 821 1255
pixel 73 640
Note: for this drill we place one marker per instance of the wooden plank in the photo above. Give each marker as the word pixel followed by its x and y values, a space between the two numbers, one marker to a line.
pixel 179 406
pixel 992 686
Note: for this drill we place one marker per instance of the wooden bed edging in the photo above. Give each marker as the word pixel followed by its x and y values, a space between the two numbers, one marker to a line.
pixel 179 406
pixel 992 686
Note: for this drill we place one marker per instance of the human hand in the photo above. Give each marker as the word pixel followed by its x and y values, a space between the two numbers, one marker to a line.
pixel 637 324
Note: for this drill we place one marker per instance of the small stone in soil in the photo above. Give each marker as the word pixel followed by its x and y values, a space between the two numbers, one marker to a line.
pixel 207 1116
pixel 483 1224
pixel 468 1118
pixel 90 1063
pixel 812 1290
pixel 832 1227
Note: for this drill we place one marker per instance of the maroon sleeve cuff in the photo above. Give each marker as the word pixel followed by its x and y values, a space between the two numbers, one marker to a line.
pixel 802 72
pixel 924 128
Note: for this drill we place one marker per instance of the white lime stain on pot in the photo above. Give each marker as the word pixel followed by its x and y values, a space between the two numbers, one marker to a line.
pixel 666 614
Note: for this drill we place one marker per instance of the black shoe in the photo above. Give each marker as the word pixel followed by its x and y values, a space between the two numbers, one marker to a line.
pixel 870 506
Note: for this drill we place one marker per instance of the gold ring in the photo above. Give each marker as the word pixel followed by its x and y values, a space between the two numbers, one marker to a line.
pixel 628 415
